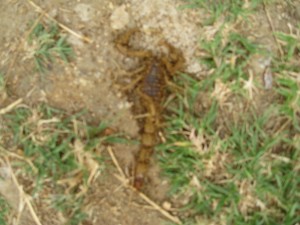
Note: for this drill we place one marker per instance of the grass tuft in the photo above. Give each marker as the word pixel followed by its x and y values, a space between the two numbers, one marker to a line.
pixel 4 211
pixel 2 83
pixel 64 155
pixel 228 9
pixel 48 44
pixel 227 160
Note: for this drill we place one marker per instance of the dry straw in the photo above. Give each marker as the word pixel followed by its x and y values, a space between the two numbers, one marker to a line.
pixel 124 180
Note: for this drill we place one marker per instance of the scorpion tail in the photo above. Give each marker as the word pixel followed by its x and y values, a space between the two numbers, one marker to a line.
pixel 144 155
pixel 141 169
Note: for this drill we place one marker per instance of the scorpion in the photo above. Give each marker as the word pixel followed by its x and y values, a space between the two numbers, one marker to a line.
pixel 150 85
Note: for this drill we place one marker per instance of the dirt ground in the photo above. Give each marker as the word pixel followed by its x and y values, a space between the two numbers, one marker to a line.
pixel 90 81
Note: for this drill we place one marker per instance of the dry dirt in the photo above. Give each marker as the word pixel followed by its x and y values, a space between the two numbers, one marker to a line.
pixel 90 81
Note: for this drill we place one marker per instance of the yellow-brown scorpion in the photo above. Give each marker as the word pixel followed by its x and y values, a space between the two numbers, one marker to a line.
pixel 151 84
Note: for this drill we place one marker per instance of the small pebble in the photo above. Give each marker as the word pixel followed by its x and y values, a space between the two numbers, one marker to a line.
pixel 167 205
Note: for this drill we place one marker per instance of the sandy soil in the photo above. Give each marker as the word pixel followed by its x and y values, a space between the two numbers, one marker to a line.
pixel 91 80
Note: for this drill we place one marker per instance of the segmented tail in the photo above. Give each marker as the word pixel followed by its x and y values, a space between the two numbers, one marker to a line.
pixel 148 142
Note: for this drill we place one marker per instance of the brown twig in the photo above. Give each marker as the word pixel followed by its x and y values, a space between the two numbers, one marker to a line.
pixel 23 194
pixel 124 180
pixel 115 161
pixel 6 153
pixel 160 209
pixel 11 106
pixel 12 63
pixel 39 9
pixel 273 30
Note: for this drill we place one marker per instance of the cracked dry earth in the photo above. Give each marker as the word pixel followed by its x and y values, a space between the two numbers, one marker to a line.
pixel 90 81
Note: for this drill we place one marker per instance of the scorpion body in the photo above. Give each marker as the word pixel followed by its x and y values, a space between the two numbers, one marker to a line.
pixel 150 87
pixel 152 82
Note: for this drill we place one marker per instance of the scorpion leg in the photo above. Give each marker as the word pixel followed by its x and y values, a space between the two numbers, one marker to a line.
pixel 137 78
pixel 175 61
pixel 172 86
pixel 132 84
